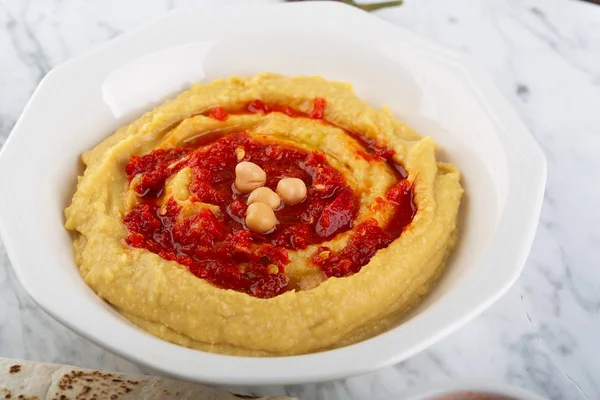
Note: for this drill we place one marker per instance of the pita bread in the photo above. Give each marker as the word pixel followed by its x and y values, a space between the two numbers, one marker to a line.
pixel 26 380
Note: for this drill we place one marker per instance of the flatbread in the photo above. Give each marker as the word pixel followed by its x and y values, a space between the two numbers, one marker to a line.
pixel 26 380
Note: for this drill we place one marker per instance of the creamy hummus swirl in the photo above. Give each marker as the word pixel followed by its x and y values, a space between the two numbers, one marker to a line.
pixel 154 190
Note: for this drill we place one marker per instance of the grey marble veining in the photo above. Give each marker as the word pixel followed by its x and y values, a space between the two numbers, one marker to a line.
pixel 543 54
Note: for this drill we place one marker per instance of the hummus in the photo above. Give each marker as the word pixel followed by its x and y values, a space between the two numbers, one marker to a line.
pixel 160 233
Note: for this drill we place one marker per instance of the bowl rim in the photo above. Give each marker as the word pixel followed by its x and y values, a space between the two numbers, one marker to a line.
pixel 449 387
pixel 527 190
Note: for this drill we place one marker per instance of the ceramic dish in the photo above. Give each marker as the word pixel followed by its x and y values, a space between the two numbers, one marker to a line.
pixel 436 91
pixel 466 390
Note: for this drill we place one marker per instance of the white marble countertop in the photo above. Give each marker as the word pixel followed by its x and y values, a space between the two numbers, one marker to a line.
pixel 545 57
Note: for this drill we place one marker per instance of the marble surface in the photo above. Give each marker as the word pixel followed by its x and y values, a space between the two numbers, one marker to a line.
pixel 543 54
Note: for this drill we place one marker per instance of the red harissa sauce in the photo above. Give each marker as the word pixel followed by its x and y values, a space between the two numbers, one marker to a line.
pixel 220 249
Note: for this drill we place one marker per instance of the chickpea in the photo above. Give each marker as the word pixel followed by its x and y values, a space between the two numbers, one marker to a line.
pixel 260 218
pixel 249 176
pixel 291 190
pixel 266 196
pixel 240 153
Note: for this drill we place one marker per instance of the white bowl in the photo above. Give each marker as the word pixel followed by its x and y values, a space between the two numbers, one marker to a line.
pixel 438 92
pixel 467 390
